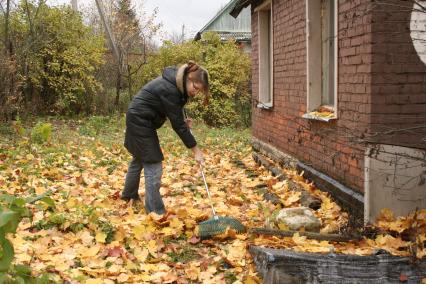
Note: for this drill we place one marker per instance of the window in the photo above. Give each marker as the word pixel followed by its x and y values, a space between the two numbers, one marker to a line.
pixel 321 41
pixel 265 50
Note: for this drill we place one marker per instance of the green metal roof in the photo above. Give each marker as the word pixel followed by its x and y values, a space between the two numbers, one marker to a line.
pixel 227 26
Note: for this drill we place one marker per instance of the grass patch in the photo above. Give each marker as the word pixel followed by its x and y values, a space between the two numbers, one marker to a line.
pixel 185 255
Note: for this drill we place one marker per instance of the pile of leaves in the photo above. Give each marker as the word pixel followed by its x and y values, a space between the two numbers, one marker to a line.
pixel 89 235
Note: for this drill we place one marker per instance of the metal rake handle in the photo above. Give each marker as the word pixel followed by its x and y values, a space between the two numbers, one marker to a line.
pixel 208 192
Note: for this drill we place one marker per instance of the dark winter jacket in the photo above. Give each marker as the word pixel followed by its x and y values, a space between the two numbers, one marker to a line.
pixel 162 98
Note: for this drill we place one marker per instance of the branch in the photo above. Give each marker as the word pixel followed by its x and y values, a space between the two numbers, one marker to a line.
pixel 420 5
pixel 27 8
pixel 41 2
pixel 398 130
pixel 138 68
pixel 419 39
pixel 402 6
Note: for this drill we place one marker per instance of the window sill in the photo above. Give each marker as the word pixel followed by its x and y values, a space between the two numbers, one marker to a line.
pixel 266 106
pixel 321 116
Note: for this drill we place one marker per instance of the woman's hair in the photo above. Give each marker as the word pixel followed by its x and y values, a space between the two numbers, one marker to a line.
pixel 199 75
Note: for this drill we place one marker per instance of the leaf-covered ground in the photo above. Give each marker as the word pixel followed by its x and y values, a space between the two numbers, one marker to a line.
pixel 91 236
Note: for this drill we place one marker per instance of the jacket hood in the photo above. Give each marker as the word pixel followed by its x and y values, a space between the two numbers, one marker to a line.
pixel 176 76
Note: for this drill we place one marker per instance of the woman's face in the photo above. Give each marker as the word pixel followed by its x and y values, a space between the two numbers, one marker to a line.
pixel 193 88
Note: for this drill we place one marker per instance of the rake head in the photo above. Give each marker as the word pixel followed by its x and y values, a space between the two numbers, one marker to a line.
pixel 218 225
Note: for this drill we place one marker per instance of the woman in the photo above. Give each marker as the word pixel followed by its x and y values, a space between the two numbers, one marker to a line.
pixel 163 97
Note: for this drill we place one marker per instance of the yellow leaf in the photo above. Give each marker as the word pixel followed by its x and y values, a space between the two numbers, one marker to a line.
pixel 114 269
pixel 326 204
pixel 152 248
pixel 299 240
pixel 387 241
pixel 120 234
pixel 330 228
pixel 100 237
pixel 182 213
pixel 167 231
pixel 421 253
pixel 123 278
pixel 40 190
pixel 176 223
pixel 228 234
pixel 294 197
pixel 23 257
pixel 142 277
pixel 236 253
pixel 139 231
pixel 94 281
pixel 252 280
pixel 190 224
pixel 72 202
pixel 283 226
pixel 192 272
pixel 170 278
pixel 90 252
pixel 235 200
pixel 86 238
pixel 141 254
pixel 279 185
pixel 386 215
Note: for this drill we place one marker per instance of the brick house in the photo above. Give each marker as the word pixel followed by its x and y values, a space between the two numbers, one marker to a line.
pixel 340 86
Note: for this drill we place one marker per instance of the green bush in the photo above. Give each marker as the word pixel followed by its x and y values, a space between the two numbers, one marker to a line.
pixel 229 69
pixel 12 211
pixel 219 113
pixel 60 56
pixel 41 133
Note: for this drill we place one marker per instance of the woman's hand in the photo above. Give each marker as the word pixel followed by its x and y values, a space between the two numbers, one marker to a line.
pixel 188 122
pixel 198 155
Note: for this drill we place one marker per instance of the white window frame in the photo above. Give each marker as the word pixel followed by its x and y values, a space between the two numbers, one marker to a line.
pixel 265 55
pixel 314 49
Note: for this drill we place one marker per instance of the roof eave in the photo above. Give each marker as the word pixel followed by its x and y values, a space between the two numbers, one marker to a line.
pixel 220 12
pixel 239 6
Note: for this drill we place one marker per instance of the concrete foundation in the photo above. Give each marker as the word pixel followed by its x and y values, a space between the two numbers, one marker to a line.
pixel 395 178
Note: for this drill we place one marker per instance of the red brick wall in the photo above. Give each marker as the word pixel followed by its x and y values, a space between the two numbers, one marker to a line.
pixel 333 148
pixel 398 77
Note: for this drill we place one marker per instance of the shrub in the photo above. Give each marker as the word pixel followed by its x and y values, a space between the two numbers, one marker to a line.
pixel 41 133
pixel 229 69
pixel 60 58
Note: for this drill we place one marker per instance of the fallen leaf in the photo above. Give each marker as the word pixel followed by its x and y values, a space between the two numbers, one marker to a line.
pixel 194 240
pixel 403 278
pixel 100 237
pixel 386 215
pixel 115 252
pixel 192 272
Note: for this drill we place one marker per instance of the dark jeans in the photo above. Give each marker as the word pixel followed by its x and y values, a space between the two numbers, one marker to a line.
pixel 153 173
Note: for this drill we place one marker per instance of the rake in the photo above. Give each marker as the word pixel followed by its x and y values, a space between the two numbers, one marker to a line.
pixel 217 225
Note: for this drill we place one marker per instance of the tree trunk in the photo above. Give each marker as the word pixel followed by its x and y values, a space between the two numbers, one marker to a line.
pixel 129 78
pixel 6 31
pixel 117 89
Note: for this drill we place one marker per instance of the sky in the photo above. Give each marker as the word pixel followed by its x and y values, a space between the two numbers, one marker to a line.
pixel 194 14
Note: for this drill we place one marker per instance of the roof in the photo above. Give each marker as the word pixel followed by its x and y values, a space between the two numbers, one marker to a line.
pixel 227 26
pixel 239 6
pixel 238 36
